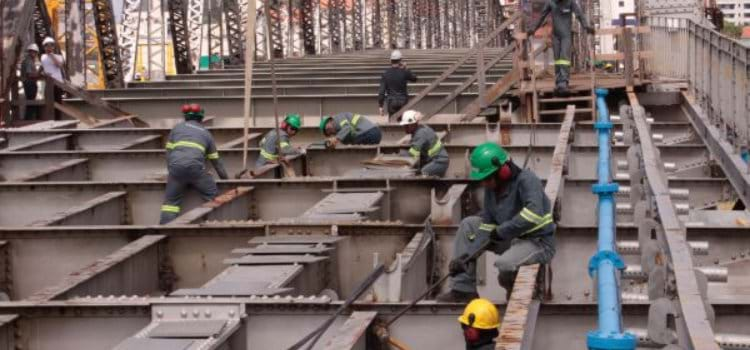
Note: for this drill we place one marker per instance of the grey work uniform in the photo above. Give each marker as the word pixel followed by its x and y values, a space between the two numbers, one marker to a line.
pixel 427 148
pixel 268 148
pixel 394 88
pixel 562 25
pixel 521 217
pixel 188 147
pixel 29 77
pixel 354 129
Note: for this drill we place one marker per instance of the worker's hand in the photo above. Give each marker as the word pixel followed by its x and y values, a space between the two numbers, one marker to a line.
pixel 591 30
pixel 403 65
pixel 458 265
pixel 302 151
pixel 331 142
pixel 381 111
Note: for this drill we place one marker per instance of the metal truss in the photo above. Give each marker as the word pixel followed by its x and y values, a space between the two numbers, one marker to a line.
pixel 334 24
pixel 235 33
pixel 274 35
pixel 42 23
pixel 178 25
pixel 215 32
pixel 308 27
pixel 357 37
pixel 106 35
pixel 392 12
pixel 75 46
pixel 131 21
pixel 376 25
pixel 92 70
pixel 324 45
pixel 195 29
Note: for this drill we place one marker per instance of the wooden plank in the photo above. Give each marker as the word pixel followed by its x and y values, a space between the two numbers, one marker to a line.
pixel 498 89
pixel 199 213
pixel 77 114
pixel 518 314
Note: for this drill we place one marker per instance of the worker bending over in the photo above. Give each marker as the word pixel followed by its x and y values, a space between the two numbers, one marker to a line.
pixel 516 219
pixel 394 85
pixel 349 129
pixel 426 147
pixel 188 147
pixel 479 323
pixel 270 143
pixel 562 32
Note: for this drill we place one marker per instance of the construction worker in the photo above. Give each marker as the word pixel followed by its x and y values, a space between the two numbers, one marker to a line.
pixel 426 147
pixel 562 25
pixel 349 129
pixel 188 147
pixel 29 78
pixel 393 85
pixel 270 142
pixel 479 323
pixel 516 219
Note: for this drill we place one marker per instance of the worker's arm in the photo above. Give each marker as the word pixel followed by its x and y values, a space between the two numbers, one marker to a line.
pixel 532 217
pixel 581 17
pixel 545 12
pixel 381 91
pixel 344 125
pixel 287 149
pixel 410 76
pixel 213 155
pixel 418 143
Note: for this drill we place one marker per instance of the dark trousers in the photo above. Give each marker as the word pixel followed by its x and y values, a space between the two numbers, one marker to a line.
pixel 30 89
pixel 180 179
pixel 395 103
pixel 369 137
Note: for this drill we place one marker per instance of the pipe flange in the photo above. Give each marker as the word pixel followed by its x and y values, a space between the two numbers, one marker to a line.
pixel 608 255
pixel 605 189
pixel 603 126
pixel 597 340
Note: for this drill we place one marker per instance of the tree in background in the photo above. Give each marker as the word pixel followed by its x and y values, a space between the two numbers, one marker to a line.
pixel 731 30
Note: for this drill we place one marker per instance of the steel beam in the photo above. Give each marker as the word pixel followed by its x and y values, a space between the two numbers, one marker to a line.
pixel 108 43
pixel 178 25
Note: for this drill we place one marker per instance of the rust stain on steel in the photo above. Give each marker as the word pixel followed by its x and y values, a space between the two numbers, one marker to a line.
pixel 227 197
pixel 517 312
pixel 79 277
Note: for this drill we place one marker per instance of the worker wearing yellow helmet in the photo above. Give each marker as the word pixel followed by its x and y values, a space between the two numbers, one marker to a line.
pixel 479 322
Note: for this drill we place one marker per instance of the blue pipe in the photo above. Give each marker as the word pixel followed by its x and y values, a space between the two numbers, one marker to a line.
pixel 605 263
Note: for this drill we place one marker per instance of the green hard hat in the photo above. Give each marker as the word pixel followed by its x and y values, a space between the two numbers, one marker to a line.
pixel 323 122
pixel 486 159
pixel 293 120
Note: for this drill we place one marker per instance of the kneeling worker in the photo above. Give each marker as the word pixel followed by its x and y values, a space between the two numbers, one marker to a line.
pixel 516 219
pixel 269 144
pixel 479 323
pixel 349 129
pixel 426 146
pixel 188 147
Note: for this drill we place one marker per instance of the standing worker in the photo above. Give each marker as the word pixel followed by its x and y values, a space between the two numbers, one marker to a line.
pixel 52 65
pixel 562 32
pixel 426 147
pixel 393 85
pixel 516 219
pixel 188 147
pixel 479 323
pixel 269 144
pixel 349 129
pixel 29 77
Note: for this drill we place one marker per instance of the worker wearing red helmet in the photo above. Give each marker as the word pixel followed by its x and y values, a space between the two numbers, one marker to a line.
pixel 188 147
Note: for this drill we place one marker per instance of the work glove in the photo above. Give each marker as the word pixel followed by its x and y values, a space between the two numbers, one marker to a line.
pixel 458 265
pixel 590 30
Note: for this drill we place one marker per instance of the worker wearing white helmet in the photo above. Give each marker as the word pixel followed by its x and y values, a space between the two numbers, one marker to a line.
pixel 52 63
pixel 426 147
pixel 394 85
pixel 29 77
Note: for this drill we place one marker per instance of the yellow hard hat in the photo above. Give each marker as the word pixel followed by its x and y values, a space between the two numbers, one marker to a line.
pixel 480 313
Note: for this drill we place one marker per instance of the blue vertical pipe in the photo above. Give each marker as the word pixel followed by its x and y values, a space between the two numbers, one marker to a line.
pixel 605 263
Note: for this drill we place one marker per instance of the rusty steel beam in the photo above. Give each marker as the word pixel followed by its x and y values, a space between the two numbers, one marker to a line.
pixel 455 66
pixel 518 313
pixel 16 17
pixel 493 93
pixel 235 33
pixel 178 25
pixel 109 48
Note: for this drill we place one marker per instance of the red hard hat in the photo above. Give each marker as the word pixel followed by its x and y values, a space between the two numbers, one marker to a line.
pixel 195 108
pixel 185 108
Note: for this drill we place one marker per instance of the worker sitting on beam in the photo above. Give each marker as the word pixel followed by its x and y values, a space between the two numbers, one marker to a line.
pixel 349 129
pixel 271 142
pixel 562 33
pixel 516 220
pixel 426 147
pixel 479 322
pixel 188 147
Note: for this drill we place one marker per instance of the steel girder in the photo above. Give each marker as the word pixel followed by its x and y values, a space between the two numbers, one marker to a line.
pixel 235 33
pixel 178 25
pixel 195 32
pixel 131 22
pixel 308 27
pixel 155 53
pixel 377 25
pixel 215 32
pixel 334 24
pixel 106 35
pixel 75 57
pixel 357 37
pixel 42 23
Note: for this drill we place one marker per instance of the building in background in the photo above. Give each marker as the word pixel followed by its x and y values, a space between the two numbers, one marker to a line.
pixel 735 11
pixel 610 17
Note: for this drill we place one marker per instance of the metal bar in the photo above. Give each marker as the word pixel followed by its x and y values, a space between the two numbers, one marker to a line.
pixel 496 91
pixel 178 25
pixel 518 313
pixel 109 49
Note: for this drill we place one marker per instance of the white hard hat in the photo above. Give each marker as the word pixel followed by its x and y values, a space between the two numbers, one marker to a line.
pixel 48 40
pixel 410 117
pixel 395 55
pixel 33 47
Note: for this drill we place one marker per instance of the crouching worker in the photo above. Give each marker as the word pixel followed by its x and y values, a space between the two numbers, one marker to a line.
pixel 349 129
pixel 426 147
pixel 188 147
pixel 516 219
pixel 271 142
pixel 479 323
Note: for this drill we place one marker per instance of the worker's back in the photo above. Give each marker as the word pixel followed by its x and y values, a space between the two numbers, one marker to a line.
pixel 188 143
pixel 395 80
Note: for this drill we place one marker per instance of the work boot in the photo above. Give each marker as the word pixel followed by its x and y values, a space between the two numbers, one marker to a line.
pixel 457 297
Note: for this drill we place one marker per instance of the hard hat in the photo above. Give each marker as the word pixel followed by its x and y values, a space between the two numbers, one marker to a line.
pixel 193 111
pixel 293 120
pixel 33 47
pixel 395 55
pixel 608 66
pixel 410 117
pixel 480 313
pixel 48 40
pixel 486 159
pixel 323 122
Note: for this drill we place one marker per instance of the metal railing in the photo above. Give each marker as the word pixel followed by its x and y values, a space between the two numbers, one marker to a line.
pixel 716 68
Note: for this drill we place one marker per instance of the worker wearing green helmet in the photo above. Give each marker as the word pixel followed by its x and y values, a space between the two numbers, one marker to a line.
pixel 349 129
pixel 270 143
pixel 516 218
